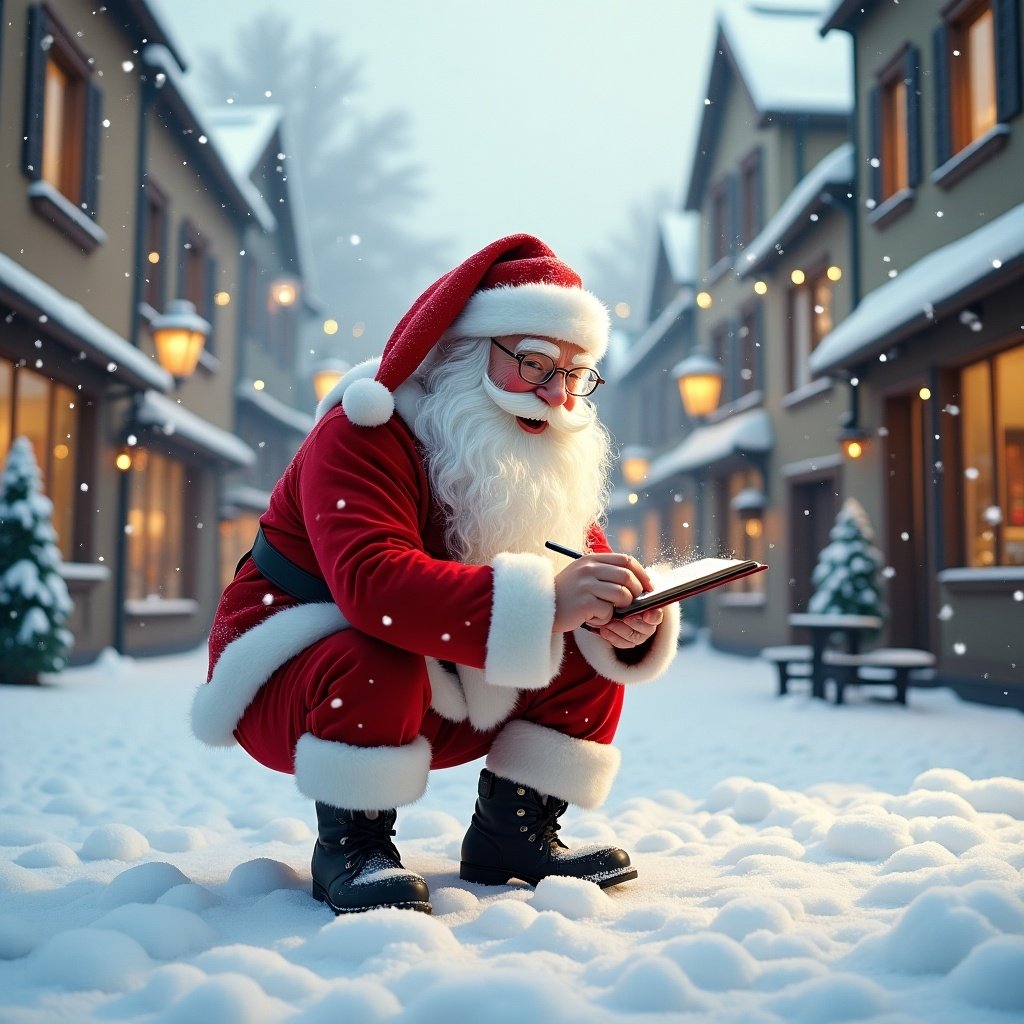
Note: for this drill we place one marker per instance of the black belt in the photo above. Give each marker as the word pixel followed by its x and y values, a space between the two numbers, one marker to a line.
pixel 285 574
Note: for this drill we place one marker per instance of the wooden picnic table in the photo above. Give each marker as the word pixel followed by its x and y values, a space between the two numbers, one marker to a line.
pixel 822 627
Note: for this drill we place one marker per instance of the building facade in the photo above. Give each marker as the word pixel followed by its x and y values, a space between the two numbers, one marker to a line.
pixel 116 205
pixel 860 253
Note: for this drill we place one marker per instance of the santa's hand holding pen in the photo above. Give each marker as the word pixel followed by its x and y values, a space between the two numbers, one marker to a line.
pixel 592 586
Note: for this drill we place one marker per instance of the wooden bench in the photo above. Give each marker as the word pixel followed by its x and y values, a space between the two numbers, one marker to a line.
pixel 883 665
pixel 792 660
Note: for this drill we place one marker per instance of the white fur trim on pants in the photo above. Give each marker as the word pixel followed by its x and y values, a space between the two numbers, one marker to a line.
pixel 579 771
pixel 361 778
pixel 601 655
pixel 521 650
pixel 248 662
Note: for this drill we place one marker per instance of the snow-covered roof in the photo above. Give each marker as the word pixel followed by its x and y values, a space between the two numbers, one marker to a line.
pixel 160 58
pixel 277 410
pixel 835 169
pixel 680 238
pixel 746 433
pixel 929 288
pixel 243 132
pixel 786 64
pixel 96 339
pixel 173 419
pixel 252 499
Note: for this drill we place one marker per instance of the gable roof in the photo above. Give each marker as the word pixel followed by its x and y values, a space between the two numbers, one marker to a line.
pixel 243 133
pixel 785 67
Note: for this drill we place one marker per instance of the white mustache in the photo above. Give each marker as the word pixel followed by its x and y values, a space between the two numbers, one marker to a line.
pixel 527 405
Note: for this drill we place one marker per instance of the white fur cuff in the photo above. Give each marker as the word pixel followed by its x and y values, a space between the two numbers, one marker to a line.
pixel 601 655
pixel 521 650
pixel 579 771
pixel 361 778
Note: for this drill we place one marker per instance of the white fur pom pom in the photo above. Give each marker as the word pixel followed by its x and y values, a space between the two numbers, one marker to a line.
pixel 367 403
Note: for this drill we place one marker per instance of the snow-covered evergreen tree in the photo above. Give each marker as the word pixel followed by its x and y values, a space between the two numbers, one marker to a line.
pixel 34 599
pixel 847 575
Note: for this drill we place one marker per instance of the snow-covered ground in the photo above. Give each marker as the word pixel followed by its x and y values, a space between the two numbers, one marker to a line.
pixel 799 862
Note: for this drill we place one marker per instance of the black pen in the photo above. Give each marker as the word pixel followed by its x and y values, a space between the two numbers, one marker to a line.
pixel 562 550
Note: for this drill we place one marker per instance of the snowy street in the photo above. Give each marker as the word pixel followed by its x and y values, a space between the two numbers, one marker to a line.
pixel 798 862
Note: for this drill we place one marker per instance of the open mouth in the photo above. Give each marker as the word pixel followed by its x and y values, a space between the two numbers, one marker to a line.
pixel 531 426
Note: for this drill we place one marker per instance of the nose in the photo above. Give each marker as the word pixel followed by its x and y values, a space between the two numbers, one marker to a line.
pixel 553 391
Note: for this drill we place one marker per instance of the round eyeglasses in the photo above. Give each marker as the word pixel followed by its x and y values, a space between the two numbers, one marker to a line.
pixel 538 368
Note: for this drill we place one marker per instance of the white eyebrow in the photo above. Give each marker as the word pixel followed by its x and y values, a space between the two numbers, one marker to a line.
pixel 538 345
pixel 549 348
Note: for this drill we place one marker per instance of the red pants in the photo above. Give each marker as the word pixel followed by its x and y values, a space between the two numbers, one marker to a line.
pixel 353 689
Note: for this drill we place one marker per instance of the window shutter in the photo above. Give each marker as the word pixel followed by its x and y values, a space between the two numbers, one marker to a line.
pixel 184 236
pixel 758 347
pixel 210 307
pixel 733 198
pixel 35 86
pixel 943 110
pixel 875 143
pixel 1007 32
pixel 912 77
pixel 91 148
pixel 758 191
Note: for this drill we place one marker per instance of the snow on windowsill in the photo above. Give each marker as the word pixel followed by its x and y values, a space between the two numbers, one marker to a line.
pixel 742 600
pixel 50 203
pixel 153 607
pixel 892 208
pixel 805 392
pixel 1000 577
pixel 84 572
pixel 971 156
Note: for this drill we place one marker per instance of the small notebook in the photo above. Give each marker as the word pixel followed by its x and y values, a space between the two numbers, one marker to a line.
pixel 693 578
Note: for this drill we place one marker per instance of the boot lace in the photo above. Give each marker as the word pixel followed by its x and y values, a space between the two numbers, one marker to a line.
pixel 368 841
pixel 546 825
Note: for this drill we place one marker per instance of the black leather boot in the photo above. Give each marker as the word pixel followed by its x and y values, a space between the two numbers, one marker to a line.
pixel 514 834
pixel 357 867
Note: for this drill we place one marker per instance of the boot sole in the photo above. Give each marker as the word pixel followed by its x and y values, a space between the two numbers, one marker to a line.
pixel 320 894
pixel 496 876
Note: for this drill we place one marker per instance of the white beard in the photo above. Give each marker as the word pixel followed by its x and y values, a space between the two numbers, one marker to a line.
pixel 503 489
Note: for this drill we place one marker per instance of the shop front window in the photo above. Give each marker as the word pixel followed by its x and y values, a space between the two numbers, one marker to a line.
pixel 156 528
pixel 47 413
pixel 992 453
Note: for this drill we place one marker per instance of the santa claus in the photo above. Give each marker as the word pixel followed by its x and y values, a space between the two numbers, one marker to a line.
pixel 400 611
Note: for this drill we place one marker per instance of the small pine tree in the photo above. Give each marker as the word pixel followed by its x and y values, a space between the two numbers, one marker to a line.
pixel 847 575
pixel 34 599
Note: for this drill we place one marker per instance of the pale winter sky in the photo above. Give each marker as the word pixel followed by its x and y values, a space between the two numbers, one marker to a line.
pixel 549 117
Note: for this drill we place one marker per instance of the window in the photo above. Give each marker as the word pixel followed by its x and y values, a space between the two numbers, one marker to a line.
pixel 810 319
pixel 972 74
pixel 236 537
pixel 894 124
pixel 721 221
pixel 197 275
pixel 750 196
pixel 156 523
pixel 155 292
pixel 743 534
pixel 748 349
pixel 721 335
pixel 61 132
pixel 992 453
pixel 47 413
pixel 977 78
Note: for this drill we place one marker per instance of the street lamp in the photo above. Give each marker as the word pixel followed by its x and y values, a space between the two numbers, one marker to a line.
pixel 853 439
pixel 635 462
pixel 284 291
pixel 326 374
pixel 700 383
pixel 179 335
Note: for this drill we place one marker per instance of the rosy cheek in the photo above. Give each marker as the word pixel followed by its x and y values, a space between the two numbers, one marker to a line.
pixel 508 379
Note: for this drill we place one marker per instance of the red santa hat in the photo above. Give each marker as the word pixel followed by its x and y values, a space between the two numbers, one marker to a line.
pixel 515 285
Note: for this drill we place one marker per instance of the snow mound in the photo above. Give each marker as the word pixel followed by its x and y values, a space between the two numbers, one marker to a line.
pixel 17 938
pixel 713 962
pixel 424 824
pixel 114 842
pixel 740 917
pixel 840 997
pixel 283 830
pixel 505 918
pixel 278 976
pixel 575 898
pixel 90 958
pixel 229 997
pixel 654 984
pixel 145 883
pixel 868 837
pixel 47 855
pixel 178 839
pixel 992 974
pixel 165 933
pixel 358 937
pixel 367 1002
pixel 261 876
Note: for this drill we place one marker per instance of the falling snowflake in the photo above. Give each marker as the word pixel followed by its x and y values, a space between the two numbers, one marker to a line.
pixel 387 620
